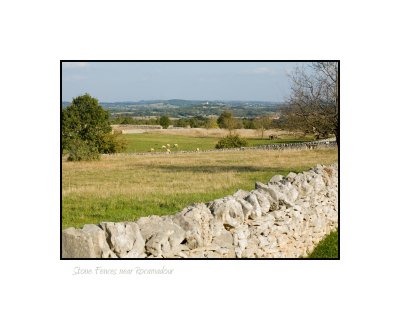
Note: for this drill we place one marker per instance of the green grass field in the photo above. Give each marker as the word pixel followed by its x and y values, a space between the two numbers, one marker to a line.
pixel 143 142
pixel 126 187
pixel 328 248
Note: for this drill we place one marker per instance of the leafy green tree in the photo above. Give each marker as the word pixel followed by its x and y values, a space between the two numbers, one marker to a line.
pixel 227 121
pixel 224 119
pixel 165 121
pixel 85 128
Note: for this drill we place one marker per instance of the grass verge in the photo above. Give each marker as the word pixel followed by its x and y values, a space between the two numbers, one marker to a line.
pixel 328 248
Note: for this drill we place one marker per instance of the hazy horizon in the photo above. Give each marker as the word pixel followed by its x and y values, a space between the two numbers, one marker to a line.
pixel 203 100
pixel 212 81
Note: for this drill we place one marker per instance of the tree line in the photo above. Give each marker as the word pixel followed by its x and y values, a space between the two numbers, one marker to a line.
pixel 225 121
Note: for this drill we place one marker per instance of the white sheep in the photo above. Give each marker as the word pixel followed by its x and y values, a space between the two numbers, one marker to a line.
pixel 151 149
pixel 168 151
pixel 168 145
pixel 197 149
pixel 175 145
pixel 164 147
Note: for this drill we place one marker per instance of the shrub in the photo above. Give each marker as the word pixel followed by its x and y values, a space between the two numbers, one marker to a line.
pixel 231 141
pixel 81 150
pixel 114 143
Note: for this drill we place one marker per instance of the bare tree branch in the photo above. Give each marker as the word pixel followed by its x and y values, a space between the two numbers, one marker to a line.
pixel 314 100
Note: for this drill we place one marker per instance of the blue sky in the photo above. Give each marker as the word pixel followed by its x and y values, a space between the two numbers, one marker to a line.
pixel 132 81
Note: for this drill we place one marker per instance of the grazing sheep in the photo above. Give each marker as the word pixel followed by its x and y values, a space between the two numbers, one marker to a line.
pixel 168 151
pixel 197 149
pixel 164 147
pixel 168 145
pixel 151 149
pixel 175 145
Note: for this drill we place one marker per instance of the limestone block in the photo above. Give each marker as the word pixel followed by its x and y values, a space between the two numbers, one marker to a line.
pixel 223 240
pixel 227 210
pixel 101 247
pixel 240 235
pixel 122 236
pixel 256 211
pixel 277 178
pixel 196 221
pixel 77 244
pixel 291 177
pixel 248 209
pixel 262 200
pixel 241 194
pixel 162 236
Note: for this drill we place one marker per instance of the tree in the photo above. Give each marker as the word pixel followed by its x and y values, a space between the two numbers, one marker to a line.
pixel 182 123
pixel 262 124
pixel 197 122
pixel 227 121
pixel 224 118
pixel 86 129
pixel 314 99
pixel 211 123
pixel 127 120
pixel 165 122
pixel 249 123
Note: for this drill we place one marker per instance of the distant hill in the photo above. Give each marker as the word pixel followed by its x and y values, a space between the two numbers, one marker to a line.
pixel 189 108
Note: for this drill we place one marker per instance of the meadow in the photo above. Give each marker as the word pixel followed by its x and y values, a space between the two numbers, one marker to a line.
pixel 126 187
pixel 143 142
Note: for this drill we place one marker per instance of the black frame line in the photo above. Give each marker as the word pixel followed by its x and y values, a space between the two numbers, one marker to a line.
pixel 196 259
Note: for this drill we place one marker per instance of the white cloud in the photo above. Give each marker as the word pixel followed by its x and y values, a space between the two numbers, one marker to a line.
pixel 75 64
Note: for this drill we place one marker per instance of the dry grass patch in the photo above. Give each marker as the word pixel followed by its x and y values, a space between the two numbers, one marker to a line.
pixel 218 133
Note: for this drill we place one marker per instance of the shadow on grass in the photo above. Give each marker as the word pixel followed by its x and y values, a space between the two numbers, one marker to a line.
pixel 211 169
pixel 222 168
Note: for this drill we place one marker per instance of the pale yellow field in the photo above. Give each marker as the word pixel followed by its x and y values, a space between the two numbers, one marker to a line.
pixel 202 132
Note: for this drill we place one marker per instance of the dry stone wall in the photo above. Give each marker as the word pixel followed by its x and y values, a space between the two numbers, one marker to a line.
pixel 284 218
